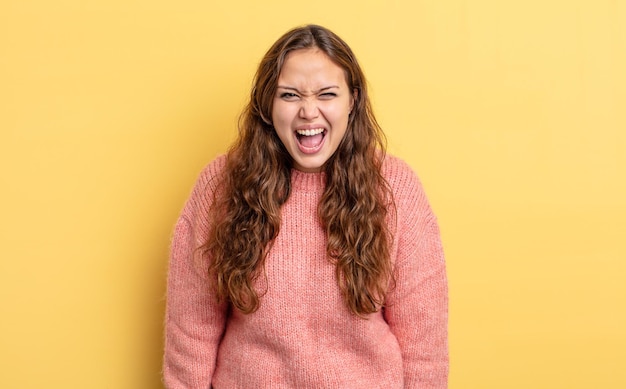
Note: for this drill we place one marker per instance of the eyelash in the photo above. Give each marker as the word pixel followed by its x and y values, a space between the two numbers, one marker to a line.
pixel 289 95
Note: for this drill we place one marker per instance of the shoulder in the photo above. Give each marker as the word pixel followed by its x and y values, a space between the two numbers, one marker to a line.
pixel 409 196
pixel 212 173
pixel 204 189
pixel 401 178
pixel 394 166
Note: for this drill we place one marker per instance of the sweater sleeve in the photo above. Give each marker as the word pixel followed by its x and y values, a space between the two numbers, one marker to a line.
pixel 417 307
pixel 194 321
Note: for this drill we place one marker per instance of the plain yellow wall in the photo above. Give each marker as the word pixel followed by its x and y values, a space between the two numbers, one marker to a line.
pixel 512 112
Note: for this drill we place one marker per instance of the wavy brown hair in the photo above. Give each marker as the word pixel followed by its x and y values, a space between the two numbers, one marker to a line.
pixel 245 214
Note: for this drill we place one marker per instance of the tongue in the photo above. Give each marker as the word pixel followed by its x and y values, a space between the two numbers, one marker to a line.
pixel 311 141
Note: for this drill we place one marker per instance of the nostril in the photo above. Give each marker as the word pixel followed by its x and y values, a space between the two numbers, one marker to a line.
pixel 309 110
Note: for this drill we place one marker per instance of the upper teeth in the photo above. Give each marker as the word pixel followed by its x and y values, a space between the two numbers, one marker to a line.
pixel 311 132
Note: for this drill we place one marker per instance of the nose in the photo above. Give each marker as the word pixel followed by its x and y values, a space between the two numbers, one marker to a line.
pixel 309 109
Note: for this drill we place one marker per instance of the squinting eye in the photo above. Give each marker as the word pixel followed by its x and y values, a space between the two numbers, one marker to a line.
pixel 328 95
pixel 288 96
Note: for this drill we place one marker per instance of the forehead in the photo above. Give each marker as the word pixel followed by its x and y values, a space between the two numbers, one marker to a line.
pixel 311 68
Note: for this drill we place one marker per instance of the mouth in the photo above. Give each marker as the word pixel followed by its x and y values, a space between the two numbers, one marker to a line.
pixel 310 140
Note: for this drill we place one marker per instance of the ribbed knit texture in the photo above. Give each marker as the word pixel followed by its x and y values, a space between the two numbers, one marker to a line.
pixel 303 335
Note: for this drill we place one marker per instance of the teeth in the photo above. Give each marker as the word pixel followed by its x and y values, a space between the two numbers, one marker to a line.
pixel 312 132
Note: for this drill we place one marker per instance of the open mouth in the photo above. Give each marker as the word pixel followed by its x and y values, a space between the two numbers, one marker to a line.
pixel 311 139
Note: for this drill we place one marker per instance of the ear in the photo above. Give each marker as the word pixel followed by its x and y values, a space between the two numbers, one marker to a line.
pixel 355 95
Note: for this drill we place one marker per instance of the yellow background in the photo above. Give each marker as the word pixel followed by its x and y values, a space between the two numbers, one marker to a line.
pixel 512 112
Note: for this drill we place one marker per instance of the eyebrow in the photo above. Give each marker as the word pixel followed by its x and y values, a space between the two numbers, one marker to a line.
pixel 314 92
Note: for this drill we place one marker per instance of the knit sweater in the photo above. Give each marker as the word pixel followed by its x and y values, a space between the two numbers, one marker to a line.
pixel 303 335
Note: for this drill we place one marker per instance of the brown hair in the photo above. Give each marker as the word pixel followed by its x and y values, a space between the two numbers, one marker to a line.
pixel 245 213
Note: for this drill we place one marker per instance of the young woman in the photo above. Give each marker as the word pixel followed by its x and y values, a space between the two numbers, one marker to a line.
pixel 306 257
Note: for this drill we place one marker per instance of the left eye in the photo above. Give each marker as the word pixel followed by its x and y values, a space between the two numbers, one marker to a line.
pixel 328 95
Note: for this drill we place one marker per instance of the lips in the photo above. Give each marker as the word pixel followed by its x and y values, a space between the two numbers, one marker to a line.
pixel 310 140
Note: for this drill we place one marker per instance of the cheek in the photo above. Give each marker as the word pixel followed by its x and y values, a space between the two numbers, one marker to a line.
pixel 281 113
pixel 275 112
pixel 338 112
pixel 281 121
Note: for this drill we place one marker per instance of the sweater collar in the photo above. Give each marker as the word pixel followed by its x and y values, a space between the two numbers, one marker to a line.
pixel 310 182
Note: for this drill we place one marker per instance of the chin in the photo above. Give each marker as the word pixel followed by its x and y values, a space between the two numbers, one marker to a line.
pixel 310 167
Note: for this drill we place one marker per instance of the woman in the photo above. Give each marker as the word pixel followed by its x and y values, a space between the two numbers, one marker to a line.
pixel 306 257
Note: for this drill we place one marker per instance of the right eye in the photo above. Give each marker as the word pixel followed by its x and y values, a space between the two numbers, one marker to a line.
pixel 288 96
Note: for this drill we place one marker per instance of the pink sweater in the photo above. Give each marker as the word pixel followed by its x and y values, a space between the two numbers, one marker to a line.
pixel 302 335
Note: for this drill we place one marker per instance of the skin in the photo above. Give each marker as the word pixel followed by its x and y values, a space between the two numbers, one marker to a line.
pixel 312 93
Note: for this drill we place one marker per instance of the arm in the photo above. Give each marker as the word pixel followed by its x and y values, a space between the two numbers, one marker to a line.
pixel 417 308
pixel 194 322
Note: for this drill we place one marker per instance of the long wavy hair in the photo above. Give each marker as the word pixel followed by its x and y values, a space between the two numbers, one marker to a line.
pixel 245 215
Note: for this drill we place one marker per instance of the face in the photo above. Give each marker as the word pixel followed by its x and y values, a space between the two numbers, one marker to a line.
pixel 311 108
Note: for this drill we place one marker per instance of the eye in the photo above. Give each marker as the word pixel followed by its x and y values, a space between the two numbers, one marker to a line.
pixel 288 96
pixel 328 95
